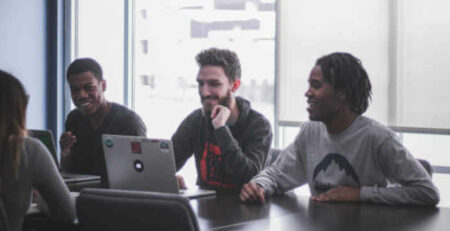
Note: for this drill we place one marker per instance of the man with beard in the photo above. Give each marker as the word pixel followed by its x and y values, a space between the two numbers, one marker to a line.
pixel 229 140
pixel 341 154
pixel 81 144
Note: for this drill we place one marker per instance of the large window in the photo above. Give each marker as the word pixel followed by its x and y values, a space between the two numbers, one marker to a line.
pixel 151 46
pixel 168 36
pixel 403 44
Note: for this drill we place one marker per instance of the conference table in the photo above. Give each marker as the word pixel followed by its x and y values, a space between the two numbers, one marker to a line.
pixel 294 212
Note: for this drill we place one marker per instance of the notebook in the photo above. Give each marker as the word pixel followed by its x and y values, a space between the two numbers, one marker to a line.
pixel 144 164
pixel 46 137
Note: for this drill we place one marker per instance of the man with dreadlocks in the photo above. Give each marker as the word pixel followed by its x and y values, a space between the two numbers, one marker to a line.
pixel 341 154
pixel 228 138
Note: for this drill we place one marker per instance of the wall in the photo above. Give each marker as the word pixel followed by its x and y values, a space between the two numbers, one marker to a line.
pixel 23 52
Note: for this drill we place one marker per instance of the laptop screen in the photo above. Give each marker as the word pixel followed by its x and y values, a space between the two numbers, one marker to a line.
pixel 46 137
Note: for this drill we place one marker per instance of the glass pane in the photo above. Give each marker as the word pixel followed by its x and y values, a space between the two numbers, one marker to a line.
pixel 424 72
pixel 100 35
pixel 310 29
pixel 168 36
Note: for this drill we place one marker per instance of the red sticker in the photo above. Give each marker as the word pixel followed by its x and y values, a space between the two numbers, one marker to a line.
pixel 136 147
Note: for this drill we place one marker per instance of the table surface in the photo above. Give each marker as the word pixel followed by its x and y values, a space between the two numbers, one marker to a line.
pixel 292 212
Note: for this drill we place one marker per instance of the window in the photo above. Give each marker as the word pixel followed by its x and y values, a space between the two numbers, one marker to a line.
pixel 176 31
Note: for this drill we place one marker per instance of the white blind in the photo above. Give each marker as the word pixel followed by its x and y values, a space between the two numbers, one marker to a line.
pixel 403 45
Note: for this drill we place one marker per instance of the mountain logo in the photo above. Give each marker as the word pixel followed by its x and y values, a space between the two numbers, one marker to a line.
pixel 334 170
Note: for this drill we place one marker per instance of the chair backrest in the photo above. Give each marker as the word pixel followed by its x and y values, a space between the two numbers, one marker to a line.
pixel 272 156
pixel 3 221
pixel 426 165
pixel 107 209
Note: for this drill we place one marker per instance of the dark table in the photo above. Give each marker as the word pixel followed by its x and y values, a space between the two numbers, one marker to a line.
pixel 292 212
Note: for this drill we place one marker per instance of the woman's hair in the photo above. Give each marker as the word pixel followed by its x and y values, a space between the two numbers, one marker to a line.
pixel 13 103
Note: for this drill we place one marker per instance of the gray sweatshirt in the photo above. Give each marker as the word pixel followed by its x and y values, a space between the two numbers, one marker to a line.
pixel 366 155
pixel 37 170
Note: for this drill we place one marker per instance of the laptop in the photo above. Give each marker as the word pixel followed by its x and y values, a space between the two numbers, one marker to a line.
pixel 144 164
pixel 46 137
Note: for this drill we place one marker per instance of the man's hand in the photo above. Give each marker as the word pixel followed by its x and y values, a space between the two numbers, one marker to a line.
pixel 180 181
pixel 252 192
pixel 66 142
pixel 219 116
pixel 341 193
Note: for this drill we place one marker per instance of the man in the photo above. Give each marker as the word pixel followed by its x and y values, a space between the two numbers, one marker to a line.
pixel 94 116
pixel 343 155
pixel 229 140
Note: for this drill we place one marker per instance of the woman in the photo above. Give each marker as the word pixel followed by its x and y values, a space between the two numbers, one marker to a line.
pixel 25 163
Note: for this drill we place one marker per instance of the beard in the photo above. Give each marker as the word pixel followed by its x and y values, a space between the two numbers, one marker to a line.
pixel 224 101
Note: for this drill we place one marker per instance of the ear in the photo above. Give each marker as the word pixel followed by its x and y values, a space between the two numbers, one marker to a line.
pixel 236 85
pixel 103 85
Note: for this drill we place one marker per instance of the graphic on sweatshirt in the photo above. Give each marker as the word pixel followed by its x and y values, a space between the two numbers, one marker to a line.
pixel 212 168
pixel 334 170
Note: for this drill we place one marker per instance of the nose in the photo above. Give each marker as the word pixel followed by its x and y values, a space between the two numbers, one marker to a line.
pixel 204 90
pixel 308 93
pixel 82 94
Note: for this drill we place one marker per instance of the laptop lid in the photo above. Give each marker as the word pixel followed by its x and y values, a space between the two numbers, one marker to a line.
pixel 140 163
pixel 46 137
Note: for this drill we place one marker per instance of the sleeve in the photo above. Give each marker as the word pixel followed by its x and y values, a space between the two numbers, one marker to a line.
pixel 67 162
pixel 182 141
pixel 245 160
pixel 401 167
pixel 286 173
pixel 134 126
pixel 50 185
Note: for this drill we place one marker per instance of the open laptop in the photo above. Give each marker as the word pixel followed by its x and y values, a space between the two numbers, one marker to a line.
pixel 46 137
pixel 145 164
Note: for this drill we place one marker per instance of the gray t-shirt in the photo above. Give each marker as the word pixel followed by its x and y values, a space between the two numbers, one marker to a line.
pixel 37 170
pixel 366 155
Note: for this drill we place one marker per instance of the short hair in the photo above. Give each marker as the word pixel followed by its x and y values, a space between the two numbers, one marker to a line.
pixel 347 75
pixel 227 59
pixel 85 64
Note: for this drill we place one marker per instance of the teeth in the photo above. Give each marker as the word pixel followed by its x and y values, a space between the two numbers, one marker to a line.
pixel 85 104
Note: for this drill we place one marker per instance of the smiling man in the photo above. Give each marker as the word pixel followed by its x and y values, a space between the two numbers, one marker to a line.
pixel 230 140
pixel 341 154
pixel 94 116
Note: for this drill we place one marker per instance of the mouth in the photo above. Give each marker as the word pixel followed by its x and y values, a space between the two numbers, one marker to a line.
pixel 311 105
pixel 84 105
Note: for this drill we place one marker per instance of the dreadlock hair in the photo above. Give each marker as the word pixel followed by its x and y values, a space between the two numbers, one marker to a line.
pixel 227 59
pixel 347 75
pixel 13 103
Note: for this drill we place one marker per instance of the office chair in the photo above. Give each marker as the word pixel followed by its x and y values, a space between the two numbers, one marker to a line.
pixel 107 209
pixel 272 156
pixel 426 165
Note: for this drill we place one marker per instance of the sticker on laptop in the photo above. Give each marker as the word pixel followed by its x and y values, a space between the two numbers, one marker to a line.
pixel 164 146
pixel 109 143
pixel 136 147
pixel 138 165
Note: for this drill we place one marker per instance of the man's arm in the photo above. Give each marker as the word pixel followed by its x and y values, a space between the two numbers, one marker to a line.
pixel 245 160
pixel 182 141
pixel 401 167
pixel 134 126
pixel 66 141
pixel 286 173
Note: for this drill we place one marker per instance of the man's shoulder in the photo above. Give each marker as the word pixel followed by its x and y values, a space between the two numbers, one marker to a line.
pixel 374 126
pixel 122 112
pixel 256 117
